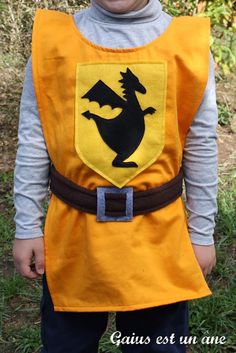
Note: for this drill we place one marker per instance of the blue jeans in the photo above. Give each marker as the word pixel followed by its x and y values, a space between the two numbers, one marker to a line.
pixel 70 332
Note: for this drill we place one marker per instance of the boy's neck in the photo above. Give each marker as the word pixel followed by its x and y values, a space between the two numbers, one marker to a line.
pixel 148 13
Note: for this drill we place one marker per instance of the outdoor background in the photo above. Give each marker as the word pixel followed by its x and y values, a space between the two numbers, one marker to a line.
pixel 19 298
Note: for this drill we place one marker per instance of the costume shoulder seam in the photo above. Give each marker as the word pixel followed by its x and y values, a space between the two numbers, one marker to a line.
pixel 193 18
pixel 49 12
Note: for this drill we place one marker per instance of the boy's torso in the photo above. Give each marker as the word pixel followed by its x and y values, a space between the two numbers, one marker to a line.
pixel 89 252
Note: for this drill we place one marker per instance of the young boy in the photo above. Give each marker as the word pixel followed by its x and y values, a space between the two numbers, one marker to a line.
pixel 118 105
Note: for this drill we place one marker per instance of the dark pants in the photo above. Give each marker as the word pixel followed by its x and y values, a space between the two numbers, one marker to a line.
pixel 69 332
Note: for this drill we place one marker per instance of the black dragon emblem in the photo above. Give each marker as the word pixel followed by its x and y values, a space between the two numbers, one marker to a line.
pixel 124 133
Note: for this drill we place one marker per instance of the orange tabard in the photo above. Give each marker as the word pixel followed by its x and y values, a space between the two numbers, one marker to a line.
pixel 118 266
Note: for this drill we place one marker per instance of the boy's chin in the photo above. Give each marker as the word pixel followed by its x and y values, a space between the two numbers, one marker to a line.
pixel 122 6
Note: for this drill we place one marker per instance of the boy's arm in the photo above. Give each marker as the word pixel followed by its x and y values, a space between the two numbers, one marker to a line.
pixel 200 174
pixel 31 166
pixel 30 185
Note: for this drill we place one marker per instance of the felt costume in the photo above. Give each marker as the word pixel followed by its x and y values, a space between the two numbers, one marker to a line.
pixel 118 266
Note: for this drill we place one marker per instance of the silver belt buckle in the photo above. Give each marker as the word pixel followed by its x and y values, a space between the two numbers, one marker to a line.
pixel 101 204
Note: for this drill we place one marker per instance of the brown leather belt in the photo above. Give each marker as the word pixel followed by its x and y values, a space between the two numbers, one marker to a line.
pixel 112 203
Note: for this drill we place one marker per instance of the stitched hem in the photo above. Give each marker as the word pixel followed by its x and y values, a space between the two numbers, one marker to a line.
pixel 130 307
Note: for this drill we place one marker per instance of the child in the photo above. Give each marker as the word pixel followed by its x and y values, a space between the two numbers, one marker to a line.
pixel 126 100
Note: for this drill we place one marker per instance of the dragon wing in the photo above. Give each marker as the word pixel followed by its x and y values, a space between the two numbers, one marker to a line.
pixel 104 95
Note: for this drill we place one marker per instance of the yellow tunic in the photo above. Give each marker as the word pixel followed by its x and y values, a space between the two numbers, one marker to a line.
pixel 118 266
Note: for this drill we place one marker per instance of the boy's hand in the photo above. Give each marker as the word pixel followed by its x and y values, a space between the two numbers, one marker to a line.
pixel 23 252
pixel 206 256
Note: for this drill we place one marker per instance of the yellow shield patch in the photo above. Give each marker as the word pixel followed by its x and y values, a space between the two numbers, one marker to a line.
pixel 120 117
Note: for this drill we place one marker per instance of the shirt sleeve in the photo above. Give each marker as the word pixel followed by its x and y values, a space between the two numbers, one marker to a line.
pixel 31 173
pixel 200 164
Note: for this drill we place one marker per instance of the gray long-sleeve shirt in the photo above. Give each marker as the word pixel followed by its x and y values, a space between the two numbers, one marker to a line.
pixel 200 152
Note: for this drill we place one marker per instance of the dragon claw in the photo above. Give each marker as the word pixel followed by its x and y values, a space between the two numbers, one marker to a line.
pixel 149 110
pixel 87 114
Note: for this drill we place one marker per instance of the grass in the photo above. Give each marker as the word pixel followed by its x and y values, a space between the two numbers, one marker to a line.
pixel 19 298
pixel 27 339
pixel 215 315
pixel 225 114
